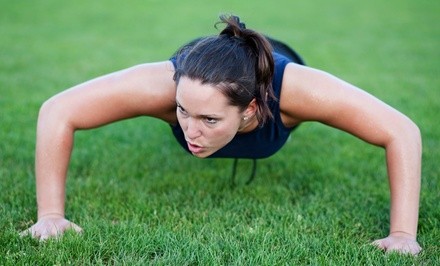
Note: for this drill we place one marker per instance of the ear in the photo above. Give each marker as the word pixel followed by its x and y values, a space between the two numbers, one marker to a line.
pixel 251 109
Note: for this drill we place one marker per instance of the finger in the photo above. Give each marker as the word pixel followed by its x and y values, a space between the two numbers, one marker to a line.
pixel 26 232
pixel 32 232
pixel 53 232
pixel 379 244
pixel 76 228
pixel 405 248
pixel 416 251
pixel 45 236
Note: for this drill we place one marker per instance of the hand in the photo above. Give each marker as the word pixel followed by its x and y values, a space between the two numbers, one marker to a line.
pixel 50 226
pixel 401 243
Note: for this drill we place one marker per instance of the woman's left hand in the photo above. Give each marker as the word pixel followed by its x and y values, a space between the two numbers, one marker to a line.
pixel 400 244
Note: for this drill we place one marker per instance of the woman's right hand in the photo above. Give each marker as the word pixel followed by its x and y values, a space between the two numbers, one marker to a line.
pixel 50 226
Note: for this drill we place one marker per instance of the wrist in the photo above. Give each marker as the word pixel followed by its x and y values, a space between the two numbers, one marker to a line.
pixel 50 215
pixel 399 233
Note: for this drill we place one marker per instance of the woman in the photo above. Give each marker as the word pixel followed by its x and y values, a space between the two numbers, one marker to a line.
pixel 222 95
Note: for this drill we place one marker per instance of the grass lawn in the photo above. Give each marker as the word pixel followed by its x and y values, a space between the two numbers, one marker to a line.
pixel 142 200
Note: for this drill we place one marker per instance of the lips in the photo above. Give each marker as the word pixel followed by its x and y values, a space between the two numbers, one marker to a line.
pixel 194 148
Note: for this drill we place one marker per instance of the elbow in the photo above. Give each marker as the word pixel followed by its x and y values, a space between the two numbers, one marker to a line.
pixel 48 110
pixel 416 134
pixel 417 130
pixel 413 133
pixel 407 133
pixel 53 113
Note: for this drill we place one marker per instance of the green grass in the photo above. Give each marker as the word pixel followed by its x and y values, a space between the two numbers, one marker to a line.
pixel 141 200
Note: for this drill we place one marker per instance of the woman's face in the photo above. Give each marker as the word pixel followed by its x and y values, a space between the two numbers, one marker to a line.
pixel 207 120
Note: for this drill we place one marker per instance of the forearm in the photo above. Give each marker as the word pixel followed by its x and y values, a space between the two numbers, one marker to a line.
pixel 404 170
pixel 53 149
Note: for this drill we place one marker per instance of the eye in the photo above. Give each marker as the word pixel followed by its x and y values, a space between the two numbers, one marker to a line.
pixel 181 110
pixel 211 120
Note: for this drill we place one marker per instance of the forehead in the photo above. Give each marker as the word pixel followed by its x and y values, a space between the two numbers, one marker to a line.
pixel 201 98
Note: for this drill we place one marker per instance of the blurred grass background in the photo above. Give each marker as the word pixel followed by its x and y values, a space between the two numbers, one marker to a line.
pixel 142 200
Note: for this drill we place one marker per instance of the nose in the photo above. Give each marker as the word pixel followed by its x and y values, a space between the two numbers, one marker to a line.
pixel 192 130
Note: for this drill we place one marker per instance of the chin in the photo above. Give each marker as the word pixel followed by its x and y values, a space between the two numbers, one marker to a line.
pixel 201 156
pixel 204 154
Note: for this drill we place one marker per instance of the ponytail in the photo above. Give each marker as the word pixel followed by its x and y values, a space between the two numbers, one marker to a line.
pixel 238 62
pixel 264 68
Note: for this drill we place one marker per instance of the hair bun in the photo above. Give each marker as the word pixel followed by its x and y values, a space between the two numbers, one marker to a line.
pixel 234 27
pixel 241 25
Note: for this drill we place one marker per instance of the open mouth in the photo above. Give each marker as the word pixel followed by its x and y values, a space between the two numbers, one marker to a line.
pixel 194 148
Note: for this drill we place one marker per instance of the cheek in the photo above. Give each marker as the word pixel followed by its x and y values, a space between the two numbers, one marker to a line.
pixel 222 135
pixel 181 121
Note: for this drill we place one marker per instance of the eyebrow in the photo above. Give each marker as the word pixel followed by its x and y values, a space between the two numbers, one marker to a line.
pixel 200 115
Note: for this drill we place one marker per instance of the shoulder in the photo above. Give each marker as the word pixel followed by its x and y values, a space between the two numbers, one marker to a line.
pixel 310 94
pixel 149 87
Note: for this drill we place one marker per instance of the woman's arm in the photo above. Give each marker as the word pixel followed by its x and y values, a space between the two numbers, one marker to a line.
pixel 312 95
pixel 141 90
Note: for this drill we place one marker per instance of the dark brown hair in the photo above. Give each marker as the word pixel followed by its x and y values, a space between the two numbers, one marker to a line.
pixel 238 62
